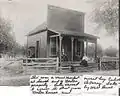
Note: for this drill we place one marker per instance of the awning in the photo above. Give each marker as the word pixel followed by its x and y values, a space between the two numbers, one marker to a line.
pixel 79 34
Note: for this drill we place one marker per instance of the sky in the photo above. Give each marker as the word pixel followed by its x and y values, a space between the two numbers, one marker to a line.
pixel 25 15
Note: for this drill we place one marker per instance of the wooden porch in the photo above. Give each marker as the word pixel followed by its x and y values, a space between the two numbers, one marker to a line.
pixel 70 48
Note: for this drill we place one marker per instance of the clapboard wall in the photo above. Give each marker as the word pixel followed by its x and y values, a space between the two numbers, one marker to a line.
pixel 42 38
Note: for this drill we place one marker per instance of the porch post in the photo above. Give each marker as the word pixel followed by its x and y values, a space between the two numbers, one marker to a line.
pixel 95 49
pixel 86 47
pixel 50 48
pixel 60 48
pixel 72 40
pixel 81 47
pixel 56 45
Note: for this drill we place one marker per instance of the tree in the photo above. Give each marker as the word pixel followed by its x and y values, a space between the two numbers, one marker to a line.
pixel 6 38
pixel 110 51
pixel 8 44
pixel 20 49
pixel 106 15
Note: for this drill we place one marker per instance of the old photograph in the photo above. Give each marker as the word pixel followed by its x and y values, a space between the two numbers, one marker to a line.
pixel 57 37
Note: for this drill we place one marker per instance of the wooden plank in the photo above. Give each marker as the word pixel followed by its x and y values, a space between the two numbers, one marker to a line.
pixel 50 61
pixel 76 65
pixel 81 47
pixel 56 45
pixel 81 39
pixel 57 65
pixel 109 59
pixel 50 47
pixel 27 48
pixel 54 36
pixel 60 47
pixel 39 58
pixel 66 62
pixel 72 40
pixel 91 41
pixel 43 66
pixel 86 47
pixel 96 50
pixel 41 63
pixel 65 67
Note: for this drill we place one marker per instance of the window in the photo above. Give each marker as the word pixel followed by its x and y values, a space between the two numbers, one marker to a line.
pixel 53 46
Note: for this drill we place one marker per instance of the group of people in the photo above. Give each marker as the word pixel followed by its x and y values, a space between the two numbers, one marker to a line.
pixel 82 58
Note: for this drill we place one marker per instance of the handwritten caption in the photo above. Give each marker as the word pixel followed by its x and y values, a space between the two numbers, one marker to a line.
pixel 48 84
pixel 98 83
pixel 41 84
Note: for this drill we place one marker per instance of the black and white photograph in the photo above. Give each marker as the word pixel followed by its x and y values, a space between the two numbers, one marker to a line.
pixel 58 37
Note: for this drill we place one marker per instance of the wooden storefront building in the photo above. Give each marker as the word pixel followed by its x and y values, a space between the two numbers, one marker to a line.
pixel 62 34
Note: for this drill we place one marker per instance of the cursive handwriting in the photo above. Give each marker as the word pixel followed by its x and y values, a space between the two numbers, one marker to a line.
pixel 55 84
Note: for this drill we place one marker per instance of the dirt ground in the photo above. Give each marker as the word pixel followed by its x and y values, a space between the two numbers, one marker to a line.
pixel 17 75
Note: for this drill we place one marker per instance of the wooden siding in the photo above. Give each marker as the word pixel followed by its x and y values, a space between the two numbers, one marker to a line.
pixel 42 38
pixel 60 19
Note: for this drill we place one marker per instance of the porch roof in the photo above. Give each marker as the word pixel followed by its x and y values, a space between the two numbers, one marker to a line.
pixel 79 34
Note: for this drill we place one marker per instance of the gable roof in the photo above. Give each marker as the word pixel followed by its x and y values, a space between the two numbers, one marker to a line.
pixel 38 29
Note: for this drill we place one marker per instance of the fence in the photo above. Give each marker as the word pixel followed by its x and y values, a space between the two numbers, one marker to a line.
pixel 107 63
pixel 42 62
